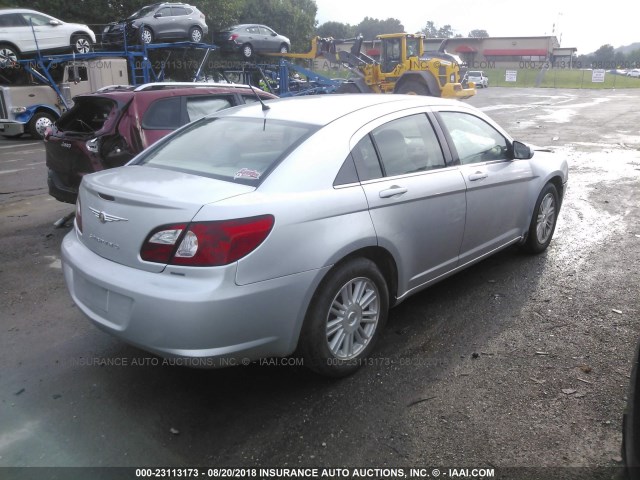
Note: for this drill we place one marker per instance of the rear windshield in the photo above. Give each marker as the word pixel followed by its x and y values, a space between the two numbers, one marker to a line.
pixel 242 150
pixel 88 115
pixel 475 74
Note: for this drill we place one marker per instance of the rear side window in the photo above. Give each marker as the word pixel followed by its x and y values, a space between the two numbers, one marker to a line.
pixel 12 20
pixel 242 150
pixel 366 160
pixel 163 114
pixel 198 107
pixel 253 99
pixel 179 11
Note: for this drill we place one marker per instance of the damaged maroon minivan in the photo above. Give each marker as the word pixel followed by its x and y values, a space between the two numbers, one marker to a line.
pixel 108 128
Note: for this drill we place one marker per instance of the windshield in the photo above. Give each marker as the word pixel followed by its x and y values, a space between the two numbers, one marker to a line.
pixel 242 150
pixel 143 12
pixel 475 74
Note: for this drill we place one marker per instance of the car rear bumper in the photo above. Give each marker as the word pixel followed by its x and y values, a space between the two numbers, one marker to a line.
pixel 202 317
pixel 60 191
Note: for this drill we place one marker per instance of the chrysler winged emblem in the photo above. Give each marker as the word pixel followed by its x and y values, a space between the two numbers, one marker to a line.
pixel 104 217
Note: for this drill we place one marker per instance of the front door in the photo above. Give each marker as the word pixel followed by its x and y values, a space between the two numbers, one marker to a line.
pixel 497 185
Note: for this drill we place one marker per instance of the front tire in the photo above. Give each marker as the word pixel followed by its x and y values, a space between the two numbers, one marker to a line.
pixel 146 35
pixel 345 317
pixel 348 87
pixel 543 221
pixel 39 123
pixel 284 48
pixel 81 44
pixel 413 87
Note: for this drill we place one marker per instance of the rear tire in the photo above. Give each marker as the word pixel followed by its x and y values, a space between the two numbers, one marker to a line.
pixel 195 34
pixel 345 317
pixel 413 87
pixel 543 220
pixel 247 50
pixel 8 56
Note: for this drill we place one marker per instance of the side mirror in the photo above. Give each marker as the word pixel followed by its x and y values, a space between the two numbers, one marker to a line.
pixel 55 23
pixel 157 15
pixel 274 34
pixel 521 151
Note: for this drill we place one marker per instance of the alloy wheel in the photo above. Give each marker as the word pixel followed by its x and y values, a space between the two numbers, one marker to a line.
pixel 546 218
pixel 353 318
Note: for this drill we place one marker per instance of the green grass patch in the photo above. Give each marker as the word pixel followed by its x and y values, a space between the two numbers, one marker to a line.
pixel 556 78
pixel 530 77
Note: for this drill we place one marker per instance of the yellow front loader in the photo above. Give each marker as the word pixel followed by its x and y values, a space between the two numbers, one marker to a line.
pixel 404 67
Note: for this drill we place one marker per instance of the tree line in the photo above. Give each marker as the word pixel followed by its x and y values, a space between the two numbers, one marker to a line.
pixel 609 58
pixel 369 28
pixel 295 19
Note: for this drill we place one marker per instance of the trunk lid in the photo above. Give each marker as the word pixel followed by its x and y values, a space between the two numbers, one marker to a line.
pixel 121 206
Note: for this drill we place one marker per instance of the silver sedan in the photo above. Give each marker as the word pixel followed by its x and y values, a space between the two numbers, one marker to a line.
pixel 294 226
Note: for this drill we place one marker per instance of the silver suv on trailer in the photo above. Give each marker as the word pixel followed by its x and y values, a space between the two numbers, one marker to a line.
pixel 160 21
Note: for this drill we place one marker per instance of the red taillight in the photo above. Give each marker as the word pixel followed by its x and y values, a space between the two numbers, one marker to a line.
pixel 78 215
pixel 206 244
pixel 233 37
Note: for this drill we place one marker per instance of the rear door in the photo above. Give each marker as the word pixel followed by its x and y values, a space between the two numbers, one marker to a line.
pixel 253 36
pixel 416 200
pixel 497 185
pixel 181 22
pixel 268 41
pixel 14 26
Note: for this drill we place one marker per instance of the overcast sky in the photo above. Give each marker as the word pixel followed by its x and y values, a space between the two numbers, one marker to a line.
pixel 577 23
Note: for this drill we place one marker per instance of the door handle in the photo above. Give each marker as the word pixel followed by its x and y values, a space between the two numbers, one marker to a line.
pixel 478 176
pixel 393 191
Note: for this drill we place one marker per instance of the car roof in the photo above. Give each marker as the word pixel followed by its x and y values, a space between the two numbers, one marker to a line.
pixel 164 4
pixel 127 93
pixel 324 109
pixel 21 10
pixel 251 25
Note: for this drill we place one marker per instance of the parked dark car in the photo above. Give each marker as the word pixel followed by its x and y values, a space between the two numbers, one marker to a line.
pixel 108 128
pixel 160 21
pixel 249 39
